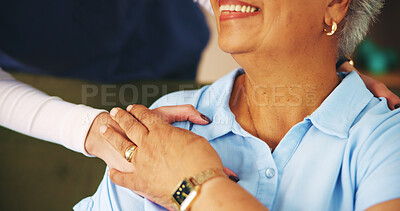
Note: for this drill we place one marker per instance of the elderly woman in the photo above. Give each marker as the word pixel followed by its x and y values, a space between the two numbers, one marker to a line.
pixel 298 135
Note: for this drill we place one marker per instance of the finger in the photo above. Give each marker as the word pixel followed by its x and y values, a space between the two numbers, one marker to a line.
pixel 124 179
pixel 393 100
pixel 346 67
pixel 119 142
pixel 379 89
pixel 134 129
pixel 148 118
pixel 118 129
pixel 232 176
pixel 180 113
pixel 105 119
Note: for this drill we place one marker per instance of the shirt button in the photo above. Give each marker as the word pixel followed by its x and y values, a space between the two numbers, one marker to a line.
pixel 270 173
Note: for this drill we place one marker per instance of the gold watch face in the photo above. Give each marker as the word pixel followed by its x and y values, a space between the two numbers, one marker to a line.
pixel 183 191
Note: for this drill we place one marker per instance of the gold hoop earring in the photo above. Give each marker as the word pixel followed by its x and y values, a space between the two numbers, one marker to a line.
pixel 333 29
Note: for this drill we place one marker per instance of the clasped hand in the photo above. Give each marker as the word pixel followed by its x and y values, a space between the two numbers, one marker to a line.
pixel 164 154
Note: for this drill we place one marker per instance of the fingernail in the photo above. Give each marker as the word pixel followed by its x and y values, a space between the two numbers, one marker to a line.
pixel 397 106
pixel 205 118
pixel 103 129
pixel 234 178
pixel 113 112
pixel 129 108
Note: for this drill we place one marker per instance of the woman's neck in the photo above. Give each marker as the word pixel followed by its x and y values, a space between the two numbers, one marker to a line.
pixel 274 95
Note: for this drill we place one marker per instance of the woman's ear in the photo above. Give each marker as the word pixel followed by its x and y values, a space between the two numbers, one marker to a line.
pixel 336 10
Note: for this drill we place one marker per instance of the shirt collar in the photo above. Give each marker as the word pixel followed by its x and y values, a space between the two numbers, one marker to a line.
pixel 334 116
pixel 338 112
pixel 214 103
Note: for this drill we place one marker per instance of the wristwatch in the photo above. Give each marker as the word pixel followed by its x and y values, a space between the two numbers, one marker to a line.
pixel 189 188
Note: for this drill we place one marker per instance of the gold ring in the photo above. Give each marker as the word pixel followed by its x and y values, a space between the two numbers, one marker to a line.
pixel 129 152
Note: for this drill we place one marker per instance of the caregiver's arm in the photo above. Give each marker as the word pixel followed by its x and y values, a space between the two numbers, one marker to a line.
pixel 34 113
pixel 29 111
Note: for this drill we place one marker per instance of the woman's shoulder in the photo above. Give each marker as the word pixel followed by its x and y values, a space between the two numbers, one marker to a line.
pixel 374 138
pixel 377 120
pixel 374 151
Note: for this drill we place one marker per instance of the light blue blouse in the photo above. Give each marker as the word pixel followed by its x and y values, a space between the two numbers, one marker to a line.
pixel 344 156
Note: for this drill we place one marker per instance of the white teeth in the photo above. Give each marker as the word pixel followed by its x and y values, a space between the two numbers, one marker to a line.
pixel 237 8
pixel 224 7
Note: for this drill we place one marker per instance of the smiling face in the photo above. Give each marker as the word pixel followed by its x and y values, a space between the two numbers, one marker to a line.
pixel 269 26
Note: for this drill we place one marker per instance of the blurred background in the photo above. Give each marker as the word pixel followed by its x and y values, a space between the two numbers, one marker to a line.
pixel 36 175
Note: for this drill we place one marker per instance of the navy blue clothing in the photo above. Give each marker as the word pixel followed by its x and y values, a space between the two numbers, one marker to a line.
pixel 103 40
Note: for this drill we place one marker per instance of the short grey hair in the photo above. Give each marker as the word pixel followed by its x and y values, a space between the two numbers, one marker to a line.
pixel 360 15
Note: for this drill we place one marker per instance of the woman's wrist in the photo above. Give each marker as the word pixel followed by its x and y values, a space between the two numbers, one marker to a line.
pixel 189 188
pixel 223 194
pixel 207 192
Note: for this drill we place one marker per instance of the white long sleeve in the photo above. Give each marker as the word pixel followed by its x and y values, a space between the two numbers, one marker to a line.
pixel 205 4
pixel 33 113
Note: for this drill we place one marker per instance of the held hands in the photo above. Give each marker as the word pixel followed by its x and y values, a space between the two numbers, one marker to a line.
pixel 164 154
pixel 96 145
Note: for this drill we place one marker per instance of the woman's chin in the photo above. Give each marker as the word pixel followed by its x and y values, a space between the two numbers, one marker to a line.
pixel 234 47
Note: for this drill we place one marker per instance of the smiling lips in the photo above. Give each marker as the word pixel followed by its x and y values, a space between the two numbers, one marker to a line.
pixel 236 9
